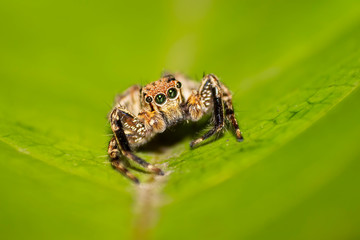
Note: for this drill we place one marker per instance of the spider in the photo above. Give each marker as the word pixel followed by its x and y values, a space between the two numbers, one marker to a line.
pixel 142 112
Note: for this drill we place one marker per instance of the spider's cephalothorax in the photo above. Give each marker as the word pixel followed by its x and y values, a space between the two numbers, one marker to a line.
pixel 142 112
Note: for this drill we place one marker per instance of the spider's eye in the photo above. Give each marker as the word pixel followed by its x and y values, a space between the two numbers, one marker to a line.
pixel 178 84
pixel 148 99
pixel 160 98
pixel 172 93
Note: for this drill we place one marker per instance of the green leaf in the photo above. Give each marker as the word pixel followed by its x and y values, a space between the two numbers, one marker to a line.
pixel 307 189
pixel 293 67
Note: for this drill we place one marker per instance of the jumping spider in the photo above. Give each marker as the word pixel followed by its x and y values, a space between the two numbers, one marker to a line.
pixel 142 112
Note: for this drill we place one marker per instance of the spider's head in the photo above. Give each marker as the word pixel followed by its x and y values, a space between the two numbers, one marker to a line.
pixel 162 93
pixel 164 96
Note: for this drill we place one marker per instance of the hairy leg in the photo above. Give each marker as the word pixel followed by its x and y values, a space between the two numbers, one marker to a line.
pixel 114 152
pixel 210 90
pixel 116 117
pixel 229 112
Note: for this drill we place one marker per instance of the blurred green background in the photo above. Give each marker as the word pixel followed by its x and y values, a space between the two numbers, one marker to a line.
pixel 293 67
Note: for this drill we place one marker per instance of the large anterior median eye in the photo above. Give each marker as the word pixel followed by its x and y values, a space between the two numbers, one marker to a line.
pixel 172 93
pixel 160 98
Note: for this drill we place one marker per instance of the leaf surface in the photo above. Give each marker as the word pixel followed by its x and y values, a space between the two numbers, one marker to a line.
pixel 293 67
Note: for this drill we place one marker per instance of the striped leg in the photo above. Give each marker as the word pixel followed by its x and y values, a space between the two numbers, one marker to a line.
pixel 114 152
pixel 122 141
pixel 211 88
pixel 229 112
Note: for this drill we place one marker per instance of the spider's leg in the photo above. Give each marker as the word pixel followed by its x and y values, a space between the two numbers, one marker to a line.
pixel 229 112
pixel 211 88
pixel 114 152
pixel 116 163
pixel 117 127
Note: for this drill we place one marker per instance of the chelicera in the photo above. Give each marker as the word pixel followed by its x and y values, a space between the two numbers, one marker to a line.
pixel 142 112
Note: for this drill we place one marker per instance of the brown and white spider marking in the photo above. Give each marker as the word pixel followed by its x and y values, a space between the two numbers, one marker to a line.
pixel 142 112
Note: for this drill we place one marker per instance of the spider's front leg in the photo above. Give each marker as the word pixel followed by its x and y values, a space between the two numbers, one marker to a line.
pixel 122 121
pixel 114 153
pixel 212 93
